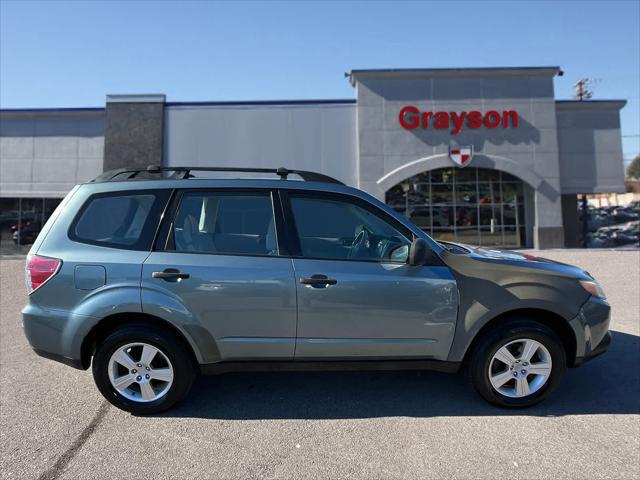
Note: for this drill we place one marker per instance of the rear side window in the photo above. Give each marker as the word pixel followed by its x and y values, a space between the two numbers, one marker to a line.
pixel 123 220
pixel 236 223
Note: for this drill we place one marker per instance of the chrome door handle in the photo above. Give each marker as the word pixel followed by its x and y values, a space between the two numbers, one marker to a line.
pixel 318 281
pixel 170 274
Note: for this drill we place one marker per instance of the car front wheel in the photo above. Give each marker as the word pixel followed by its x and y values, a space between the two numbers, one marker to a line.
pixel 518 364
pixel 143 370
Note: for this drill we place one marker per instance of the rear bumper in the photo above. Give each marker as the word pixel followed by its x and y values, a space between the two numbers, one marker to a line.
pixel 59 358
pixel 53 334
pixel 593 323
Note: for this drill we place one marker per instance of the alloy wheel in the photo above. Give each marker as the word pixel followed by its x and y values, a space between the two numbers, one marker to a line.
pixel 140 372
pixel 520 368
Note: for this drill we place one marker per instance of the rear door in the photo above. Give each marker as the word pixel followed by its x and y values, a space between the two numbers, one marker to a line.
pixel 223 264
pixel 357 296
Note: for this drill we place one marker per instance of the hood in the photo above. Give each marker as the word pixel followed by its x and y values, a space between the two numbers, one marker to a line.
pixel 516 259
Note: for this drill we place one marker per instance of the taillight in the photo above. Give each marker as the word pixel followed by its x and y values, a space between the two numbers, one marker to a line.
pixel 39 270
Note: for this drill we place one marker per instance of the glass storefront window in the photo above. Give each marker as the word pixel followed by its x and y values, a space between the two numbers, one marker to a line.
pixel 513 236
pixel 444 234
pixel 486 175
pixel 21 220
pixel 441 194
pixel 421 177
pixel 419 194
pixel 488 192
pixel 466 216
pixel 491 237
pixel 466 193
pixel 421 216
pixel 442 175
pixel 467 175
pixel 490 215
pixel 395 196
pixel 509 215
pixel 443 217
pixel 471 205
pixel 468 235
pixel 512 192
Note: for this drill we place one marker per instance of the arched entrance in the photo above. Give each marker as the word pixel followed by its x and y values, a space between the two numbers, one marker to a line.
pixel 478 206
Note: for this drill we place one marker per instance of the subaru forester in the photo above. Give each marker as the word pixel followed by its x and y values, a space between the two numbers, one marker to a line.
pixel 152 276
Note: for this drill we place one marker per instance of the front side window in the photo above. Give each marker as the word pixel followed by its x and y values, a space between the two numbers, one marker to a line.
pixel 225 223
pixel 122 220
pixel 338 229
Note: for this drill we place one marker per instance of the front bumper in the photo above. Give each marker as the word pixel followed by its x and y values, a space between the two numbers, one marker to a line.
pixel 592 330
pixel 601 348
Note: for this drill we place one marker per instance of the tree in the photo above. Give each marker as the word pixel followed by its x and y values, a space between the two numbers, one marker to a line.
pixel 633 170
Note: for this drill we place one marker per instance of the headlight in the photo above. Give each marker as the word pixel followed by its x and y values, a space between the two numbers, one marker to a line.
pixel 593 288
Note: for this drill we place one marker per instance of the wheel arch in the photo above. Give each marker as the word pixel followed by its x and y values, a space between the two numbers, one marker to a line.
pixel 546 317
pixel 112 322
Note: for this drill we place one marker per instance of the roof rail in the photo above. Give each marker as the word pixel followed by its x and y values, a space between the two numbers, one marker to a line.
pixel 185 172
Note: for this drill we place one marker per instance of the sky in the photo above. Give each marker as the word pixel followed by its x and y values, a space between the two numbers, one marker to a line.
pixel 71 54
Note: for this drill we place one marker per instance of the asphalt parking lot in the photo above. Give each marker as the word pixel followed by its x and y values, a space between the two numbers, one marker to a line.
pixel 54 423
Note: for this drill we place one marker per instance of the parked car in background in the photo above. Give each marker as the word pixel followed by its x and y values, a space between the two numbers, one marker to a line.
pixel 24 233
pixel 151 277
pixel 620 235
pixel 611 226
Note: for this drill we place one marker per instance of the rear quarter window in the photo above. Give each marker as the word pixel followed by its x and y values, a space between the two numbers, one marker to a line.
pixel 126 219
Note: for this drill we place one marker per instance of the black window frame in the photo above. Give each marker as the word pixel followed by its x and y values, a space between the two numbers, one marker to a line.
pixel 149 230
pixel 165 241
pixel 292 231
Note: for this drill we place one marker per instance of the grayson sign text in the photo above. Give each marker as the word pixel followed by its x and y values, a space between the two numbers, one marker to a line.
pixel 411 117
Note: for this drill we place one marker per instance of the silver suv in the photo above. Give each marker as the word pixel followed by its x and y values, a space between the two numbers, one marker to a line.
pixel 152 276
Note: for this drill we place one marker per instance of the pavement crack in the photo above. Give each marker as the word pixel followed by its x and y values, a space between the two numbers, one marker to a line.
pixel 63 460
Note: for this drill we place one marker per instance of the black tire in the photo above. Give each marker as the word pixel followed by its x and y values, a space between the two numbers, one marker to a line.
pixel 184 367
pixel 493 340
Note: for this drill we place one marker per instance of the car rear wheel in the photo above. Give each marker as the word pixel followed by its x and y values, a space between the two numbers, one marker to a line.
pixel 142 369
pixel 518 364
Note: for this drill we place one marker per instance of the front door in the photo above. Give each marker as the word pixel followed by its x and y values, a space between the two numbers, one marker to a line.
pixel 222 270
pixel 357 296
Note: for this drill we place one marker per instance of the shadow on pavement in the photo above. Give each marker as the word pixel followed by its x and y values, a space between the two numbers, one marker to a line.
pixel 607 384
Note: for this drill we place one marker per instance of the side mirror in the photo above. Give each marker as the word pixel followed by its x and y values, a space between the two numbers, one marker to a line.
pixel 400 254
pixel 418 252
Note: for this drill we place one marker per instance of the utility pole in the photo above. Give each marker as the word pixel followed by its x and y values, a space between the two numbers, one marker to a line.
pixel 585 222
pixel 582 89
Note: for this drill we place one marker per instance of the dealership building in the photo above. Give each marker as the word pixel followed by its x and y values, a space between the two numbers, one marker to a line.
pixel 479 155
